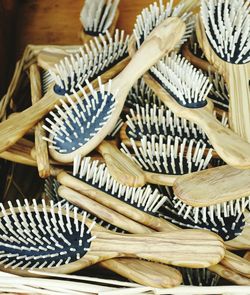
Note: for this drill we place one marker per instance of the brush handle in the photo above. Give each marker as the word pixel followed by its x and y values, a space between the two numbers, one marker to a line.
pixel 186 248
pixel 40 144
pixel 117 205
pixel 104 213
pixel 155 46
pixel 144 272
pixel 213 186
pixel 236 263
pixel 237 78
pixel 120 166
pixel 230 275
pixel 229 146
pixel 160 179
pixel 15 127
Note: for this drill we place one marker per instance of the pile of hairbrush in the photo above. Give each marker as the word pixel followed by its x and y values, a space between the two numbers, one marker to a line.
pixel 143 142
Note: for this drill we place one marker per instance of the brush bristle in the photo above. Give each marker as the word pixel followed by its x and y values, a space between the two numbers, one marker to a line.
pixel 227 26
pixel 155 14
pixel 92 60
pixel 97 175
pixel 97 15
pixel 140 94
pixel 187 85
pixel 70 127
pixel 33 236
pixel 174 158
pixel 222 219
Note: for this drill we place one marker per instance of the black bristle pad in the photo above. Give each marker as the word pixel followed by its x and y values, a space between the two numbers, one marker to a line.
pixel 32 240
pixel 156 121
pixel 198 277
pixel 96 175
pixel 227 226
pixel 83 122
pixel 227 25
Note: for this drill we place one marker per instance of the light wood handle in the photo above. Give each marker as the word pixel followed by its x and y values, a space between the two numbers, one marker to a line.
pixel 117 205
pixel 153 48
pixel 230 275
pixel 101 211
pixel 160 179
pixel 120 166
pixel 213 186
pixel 238 78
pixel 232 149
pixel 40 144
pixel 144 272
pixel 187 248
pixel 236 263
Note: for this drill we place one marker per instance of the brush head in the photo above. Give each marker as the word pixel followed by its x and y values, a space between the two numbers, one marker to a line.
pixel 95 174
pixel 153 121
pixel 92 60
pixel 174 158
pixel 198 277
pixel 155 14
pixel 33 236
pixel 187 85
pixel 97 15
pixel 221 218
pixel 141 95
pixel 72 126
pixel 227 26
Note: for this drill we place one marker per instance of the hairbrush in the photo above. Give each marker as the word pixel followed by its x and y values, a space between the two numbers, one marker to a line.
pixel 222 186
pixel 120 167
pixel 219 220
pixel 154 121
pixel 223 32
pixel 163 163
pixel 143 272
pixel 72 71
pixel 80 127
pixel 231 260
pixel 45 237
pixel 184 90
pixel 97 17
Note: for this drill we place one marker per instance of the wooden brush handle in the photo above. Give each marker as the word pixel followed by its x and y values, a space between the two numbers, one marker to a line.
pixel 143 272
pixel 101 211
pixel 153 48
pixel 40 144
pixel 187 248
pixel 117 205
pixel 160 179
pixel 232 149
pixel 120 166
pixel 238 78
pixel 213 186
pixel 230 275
pixel 236 263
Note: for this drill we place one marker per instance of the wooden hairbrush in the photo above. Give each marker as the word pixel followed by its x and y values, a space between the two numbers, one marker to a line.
pixel 224 38
pixel 65 242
